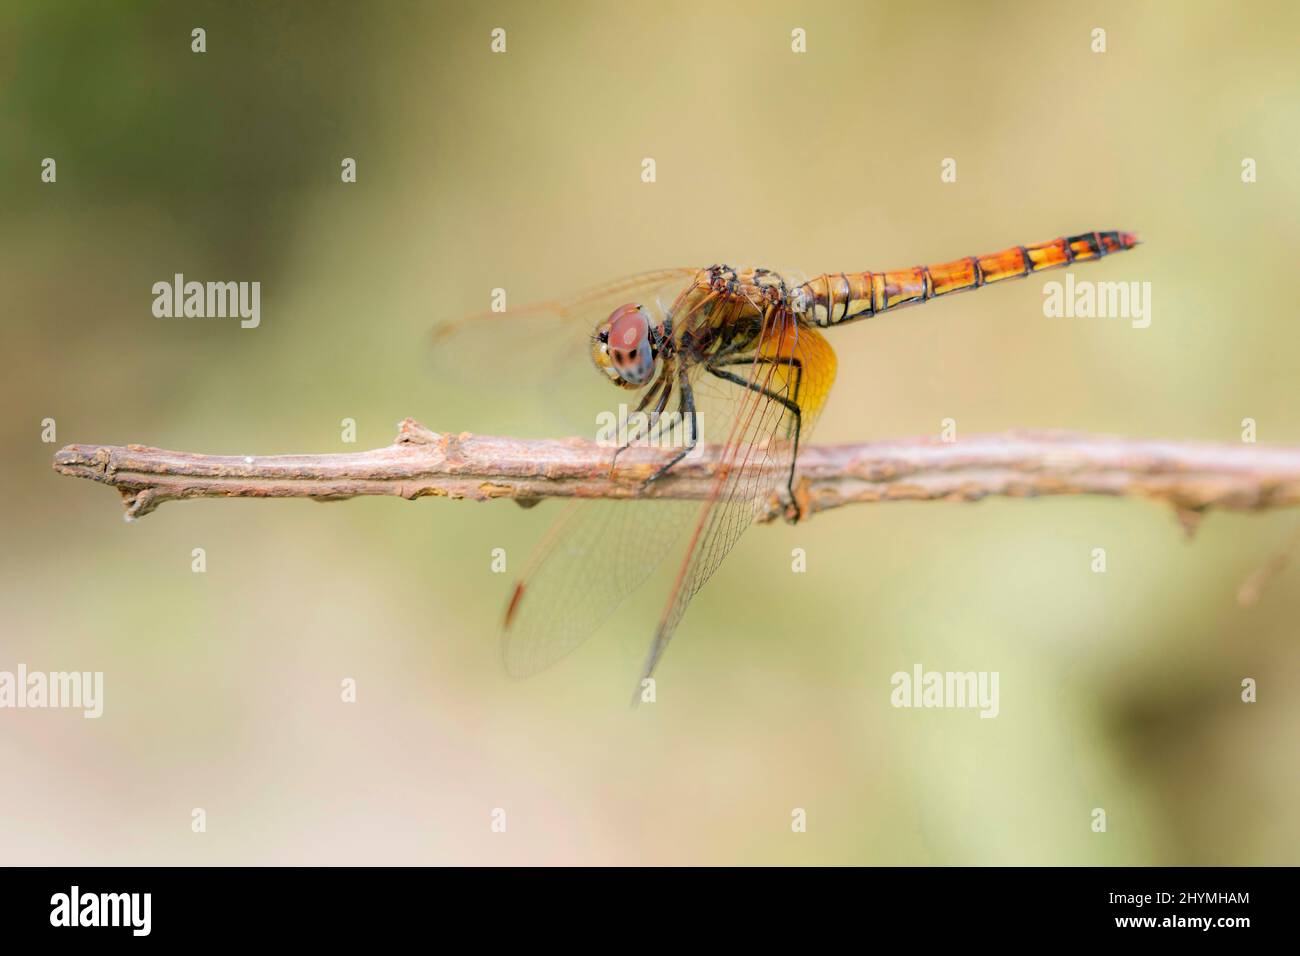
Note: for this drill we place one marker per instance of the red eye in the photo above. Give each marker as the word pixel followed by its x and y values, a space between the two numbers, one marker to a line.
pixel 628 327
pixel 626 350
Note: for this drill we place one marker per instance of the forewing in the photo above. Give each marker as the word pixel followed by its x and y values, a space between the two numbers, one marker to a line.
pixel 539 356
pixel 528 369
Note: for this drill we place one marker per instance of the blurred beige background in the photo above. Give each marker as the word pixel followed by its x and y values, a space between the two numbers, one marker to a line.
pixel 522 170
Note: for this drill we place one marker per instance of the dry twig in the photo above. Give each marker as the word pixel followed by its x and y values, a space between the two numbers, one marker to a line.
pixel 1192 476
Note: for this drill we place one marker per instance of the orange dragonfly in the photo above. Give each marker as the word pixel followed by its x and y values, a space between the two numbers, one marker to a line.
pixel 741 353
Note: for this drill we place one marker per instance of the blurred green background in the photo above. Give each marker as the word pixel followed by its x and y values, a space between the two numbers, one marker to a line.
pixel 522 170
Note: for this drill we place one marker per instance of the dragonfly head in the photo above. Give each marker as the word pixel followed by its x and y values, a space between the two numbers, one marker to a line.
pixel 626 346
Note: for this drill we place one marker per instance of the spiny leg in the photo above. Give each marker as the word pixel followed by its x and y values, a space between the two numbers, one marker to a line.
pixel 686 408
pixel 738 354
pixel 791 361
pixel 791 404
pixel 663 387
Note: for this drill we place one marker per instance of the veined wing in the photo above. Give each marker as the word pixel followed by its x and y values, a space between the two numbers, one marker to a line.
pixel 597 553
pixel 527 371
pixel 544 344
pixel 595 302
pixel 793 366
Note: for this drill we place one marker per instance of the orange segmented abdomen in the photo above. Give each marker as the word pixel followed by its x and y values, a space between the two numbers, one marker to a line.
pixel 837 298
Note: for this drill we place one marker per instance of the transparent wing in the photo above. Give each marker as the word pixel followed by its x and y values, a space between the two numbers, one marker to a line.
pixel 600 551
pixel 791 366
pixel 528 368
pixel 597 554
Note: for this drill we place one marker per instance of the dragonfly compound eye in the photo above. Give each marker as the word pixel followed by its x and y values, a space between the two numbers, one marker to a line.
pixel 622 347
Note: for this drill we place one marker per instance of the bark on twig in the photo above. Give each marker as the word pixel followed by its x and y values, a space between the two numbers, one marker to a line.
pixel 1192 476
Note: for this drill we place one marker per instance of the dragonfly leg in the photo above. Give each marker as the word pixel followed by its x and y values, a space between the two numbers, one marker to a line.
pixel 664 388
pixel 791 404
pixel 686 408
pixel 790 361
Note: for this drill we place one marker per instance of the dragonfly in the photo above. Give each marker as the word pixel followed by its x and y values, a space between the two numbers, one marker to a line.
pixel 732 356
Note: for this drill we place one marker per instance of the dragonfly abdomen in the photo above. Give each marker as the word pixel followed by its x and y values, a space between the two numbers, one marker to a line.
pixel 834 299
